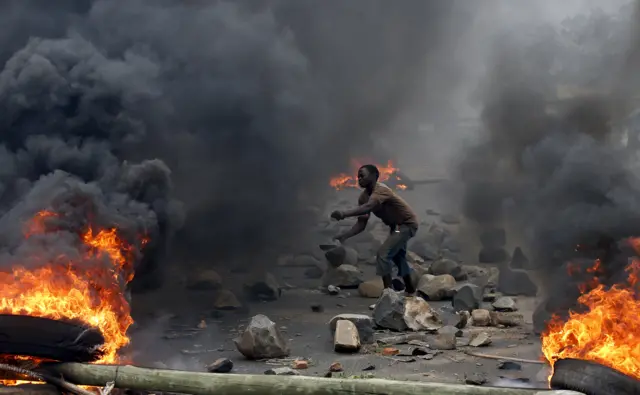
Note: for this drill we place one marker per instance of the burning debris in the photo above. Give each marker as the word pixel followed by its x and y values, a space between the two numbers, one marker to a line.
pixel 389 174
pixel 605 329
pixel 71 287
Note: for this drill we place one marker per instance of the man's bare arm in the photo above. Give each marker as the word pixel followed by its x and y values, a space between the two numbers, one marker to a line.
pixel 357 228
pixel 364 209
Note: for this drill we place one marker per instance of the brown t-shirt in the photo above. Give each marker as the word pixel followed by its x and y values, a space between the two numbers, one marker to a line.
pixel 390 207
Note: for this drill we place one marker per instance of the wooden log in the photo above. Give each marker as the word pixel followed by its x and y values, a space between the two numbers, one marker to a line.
pixel 200 383
pixel 29 389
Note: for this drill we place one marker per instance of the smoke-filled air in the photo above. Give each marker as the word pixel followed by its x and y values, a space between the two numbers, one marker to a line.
pixel 178 164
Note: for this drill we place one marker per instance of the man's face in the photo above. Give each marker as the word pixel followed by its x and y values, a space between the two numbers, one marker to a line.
pixel 365 178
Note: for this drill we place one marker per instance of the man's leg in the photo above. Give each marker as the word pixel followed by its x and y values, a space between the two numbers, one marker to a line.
pixel 400 259
pixel 387 251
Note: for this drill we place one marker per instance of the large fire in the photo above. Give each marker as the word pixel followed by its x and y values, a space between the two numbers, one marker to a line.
pixel 387 172
pixel 607 332
pixel 72 288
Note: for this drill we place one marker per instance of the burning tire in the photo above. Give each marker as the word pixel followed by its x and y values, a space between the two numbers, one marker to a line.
pixel 49 339
pixel 592 378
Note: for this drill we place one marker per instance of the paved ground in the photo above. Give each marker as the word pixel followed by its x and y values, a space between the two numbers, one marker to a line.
pixel 309 334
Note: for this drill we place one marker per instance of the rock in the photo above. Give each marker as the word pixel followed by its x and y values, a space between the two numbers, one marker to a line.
pixel 226 300
pixel 475 378
pixel 346 337
pixel 371 288
pixel 463 319
pixel 437 287
pixel 467 297
pixel 390 351
pixel 451 329
pixel 317 308
pixel 263 287
pixel 314 272
pixel 333 290
pixel 493 238
pixel 369 368
pixel 508 365
pixel 300 364
pixel 504 303
pixel 341 256
pixel 506 319
pixel 447 266
pixel 541 316
pixel 363 323
pixel 443 341
pixel 336 367
pixel 345 276
pixel 389 311
pixel 515 282
pixel 493 255
pixel 283 371
pixel 519 260
pixel 221 365
pixel 449 219
pixel 481 339
pixel 417 272
pixel 419 316
pixel 204 280
pixel 262 340
pixel 480 317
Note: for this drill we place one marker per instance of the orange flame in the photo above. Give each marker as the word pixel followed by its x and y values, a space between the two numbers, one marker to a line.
pixel 343 180
pixel 76 288
pixel 607 332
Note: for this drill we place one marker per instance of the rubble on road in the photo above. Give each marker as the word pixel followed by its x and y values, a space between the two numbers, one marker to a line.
pixel 346 337
pixel 389 311
pixel 262 340
pixel 221 365
pixel 344 276
pixel 436 288
pixel 481 339
pixel 363 323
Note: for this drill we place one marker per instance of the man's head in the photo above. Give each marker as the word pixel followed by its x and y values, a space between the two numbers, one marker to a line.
pixel 368 176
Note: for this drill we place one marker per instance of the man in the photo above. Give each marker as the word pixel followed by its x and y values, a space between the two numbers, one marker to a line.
pixel 385 204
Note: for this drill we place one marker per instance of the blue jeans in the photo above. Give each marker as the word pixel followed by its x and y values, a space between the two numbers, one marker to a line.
pixel 394 250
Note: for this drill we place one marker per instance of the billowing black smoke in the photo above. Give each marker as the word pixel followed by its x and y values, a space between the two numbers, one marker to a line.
pixel 249 108
pixel 555 171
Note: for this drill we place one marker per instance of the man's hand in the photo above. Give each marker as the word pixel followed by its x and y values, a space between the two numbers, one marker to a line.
pixel 340 238
pixel 337 215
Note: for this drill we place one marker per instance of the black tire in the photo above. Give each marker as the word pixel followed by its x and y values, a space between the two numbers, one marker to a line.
pixel 49 339
pixel 591 378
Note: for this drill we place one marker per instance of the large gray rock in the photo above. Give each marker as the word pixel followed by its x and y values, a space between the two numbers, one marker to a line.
pixel 436 287
pixel 443 341
pixel 448 266
pixel 389 311
pixel 341 256
pixel 515 282
pixel 519 260
pixel 364 323
pixel 504 303
pixel 344 276
pixel 261 340
pixel 419 316
pixel 226 300
pixel 262 287
pixel 467 297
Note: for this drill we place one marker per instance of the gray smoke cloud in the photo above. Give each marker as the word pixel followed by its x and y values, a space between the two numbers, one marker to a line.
pixel 558 172
pixel 215 122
